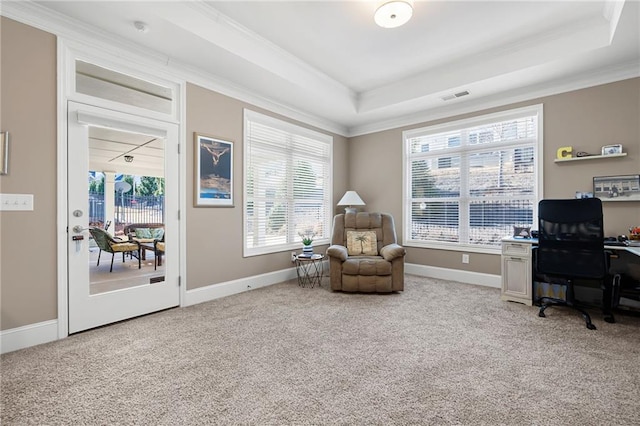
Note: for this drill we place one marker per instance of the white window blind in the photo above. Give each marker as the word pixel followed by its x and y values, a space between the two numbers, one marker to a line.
pixel 467 183
pixel 287 184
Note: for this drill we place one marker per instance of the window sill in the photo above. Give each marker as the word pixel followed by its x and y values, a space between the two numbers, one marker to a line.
pixel 454 247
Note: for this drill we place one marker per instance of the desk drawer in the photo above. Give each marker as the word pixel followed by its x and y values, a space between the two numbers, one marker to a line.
pixel 516 249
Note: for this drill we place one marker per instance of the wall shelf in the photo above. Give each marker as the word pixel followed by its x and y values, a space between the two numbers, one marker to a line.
pixel 589 157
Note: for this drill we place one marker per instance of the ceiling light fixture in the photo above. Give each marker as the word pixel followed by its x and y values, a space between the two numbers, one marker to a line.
pixel 393 13
pixel 128 158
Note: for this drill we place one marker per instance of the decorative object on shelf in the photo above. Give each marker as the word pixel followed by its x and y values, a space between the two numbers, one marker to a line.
pixel 617 188
pixel 564 152
pixel 634 233
pixel 4 153
pixel 611 149
pixel 521 231
pixel 581 194
pixel 307 243
pixel 393 13
pixel 350 199
pixel 213 181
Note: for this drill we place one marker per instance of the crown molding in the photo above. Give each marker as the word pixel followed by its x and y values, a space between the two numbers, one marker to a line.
pixel 598 77
pixel 293 64
pixel 513 56
pixel 62 26
pixel 85 38
pixel 225 87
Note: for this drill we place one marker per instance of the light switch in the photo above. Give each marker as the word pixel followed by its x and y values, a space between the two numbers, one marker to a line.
pixel 15 202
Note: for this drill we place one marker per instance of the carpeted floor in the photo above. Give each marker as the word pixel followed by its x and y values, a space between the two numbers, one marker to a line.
pixel 438 353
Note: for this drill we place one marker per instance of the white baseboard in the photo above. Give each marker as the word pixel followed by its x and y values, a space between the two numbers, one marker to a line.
pixel 47 331
pixel 477 278
pixel 28 335
pixel 216 291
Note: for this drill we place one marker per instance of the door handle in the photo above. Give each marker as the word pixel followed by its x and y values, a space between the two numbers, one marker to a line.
pixel 79 229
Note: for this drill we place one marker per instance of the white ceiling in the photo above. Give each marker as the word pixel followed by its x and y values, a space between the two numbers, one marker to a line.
pixel 329 61
pixel 108 147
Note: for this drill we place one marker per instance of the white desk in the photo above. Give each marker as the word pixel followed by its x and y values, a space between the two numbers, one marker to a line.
pixel 517 268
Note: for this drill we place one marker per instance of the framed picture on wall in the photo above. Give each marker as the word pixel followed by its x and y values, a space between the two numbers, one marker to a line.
pixel 213 181
pixel 617 188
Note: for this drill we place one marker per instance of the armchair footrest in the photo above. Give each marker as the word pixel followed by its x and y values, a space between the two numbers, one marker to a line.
pixel 366 266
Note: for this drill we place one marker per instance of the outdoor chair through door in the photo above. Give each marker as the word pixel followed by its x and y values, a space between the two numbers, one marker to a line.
pixel 107 243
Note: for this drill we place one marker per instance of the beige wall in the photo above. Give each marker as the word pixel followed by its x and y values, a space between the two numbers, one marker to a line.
pixel 371 164
pixel 214 235
pixel 28 288
pixel 585 119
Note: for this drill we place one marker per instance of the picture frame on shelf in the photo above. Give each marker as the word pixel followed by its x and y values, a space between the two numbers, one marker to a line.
pixel 581 194
pixel 213 180
pixel 617 188
pixel 611 149
pixel 521 231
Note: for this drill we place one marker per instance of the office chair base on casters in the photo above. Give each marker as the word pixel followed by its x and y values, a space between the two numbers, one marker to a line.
pixel 585 315
pixel 541 313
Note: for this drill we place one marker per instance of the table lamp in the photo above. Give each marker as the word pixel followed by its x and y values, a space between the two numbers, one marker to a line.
pixel 350 199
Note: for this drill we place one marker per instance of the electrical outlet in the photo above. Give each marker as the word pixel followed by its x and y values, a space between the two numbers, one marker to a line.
pixel 293 256
pixel 465 258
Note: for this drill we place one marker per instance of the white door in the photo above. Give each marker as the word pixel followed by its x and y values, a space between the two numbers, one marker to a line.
pixel 98 142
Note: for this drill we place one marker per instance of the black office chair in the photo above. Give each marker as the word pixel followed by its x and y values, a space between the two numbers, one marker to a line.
pixel 571 246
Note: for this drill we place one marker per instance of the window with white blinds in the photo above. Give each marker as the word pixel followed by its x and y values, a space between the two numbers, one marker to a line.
pixel 287 193
pixel 467 183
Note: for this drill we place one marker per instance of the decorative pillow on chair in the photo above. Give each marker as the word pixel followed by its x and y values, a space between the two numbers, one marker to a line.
pixel 362 243
pixel 143 233
pixel 157 233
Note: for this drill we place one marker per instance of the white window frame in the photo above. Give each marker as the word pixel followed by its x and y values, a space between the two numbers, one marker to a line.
pixel 294 243
pixel 459 125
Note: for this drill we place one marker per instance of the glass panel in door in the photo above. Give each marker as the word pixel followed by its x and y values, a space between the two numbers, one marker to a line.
pixel 118 220
pixel 126 205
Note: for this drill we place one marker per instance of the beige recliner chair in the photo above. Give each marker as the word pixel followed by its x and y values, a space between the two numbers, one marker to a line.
pixel 364 254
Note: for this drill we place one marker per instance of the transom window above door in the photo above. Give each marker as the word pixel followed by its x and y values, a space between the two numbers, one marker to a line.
pixel 103 83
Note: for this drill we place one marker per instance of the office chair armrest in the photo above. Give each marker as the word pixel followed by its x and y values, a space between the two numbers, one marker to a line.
pixel 338 251
pixel 392 251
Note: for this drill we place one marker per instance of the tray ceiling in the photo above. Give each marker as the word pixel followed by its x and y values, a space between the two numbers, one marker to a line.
pixel 329 60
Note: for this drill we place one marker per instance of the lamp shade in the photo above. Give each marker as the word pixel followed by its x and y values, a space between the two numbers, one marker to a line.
pixel 393 13
pixel 351 198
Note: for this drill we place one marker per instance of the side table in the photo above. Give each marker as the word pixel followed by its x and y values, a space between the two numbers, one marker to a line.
pixel 309 269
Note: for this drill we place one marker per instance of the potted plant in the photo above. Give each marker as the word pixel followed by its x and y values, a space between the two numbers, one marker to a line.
pixel 307 242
